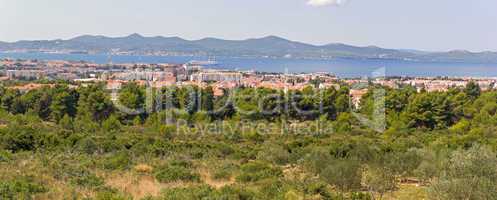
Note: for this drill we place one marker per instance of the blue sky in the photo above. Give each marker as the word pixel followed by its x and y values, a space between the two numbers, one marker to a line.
pixel 412 24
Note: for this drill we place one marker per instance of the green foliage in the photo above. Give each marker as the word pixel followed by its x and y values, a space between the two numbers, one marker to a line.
pixel 379 180
pixel 461 127
pixel 187 193
pixel 84 178
pixel 132 96
pixel 20 139
pixel 429 110
pixel 345 175
pixel 20 188
pixel 112 124
pixel 67 123
pixel 256 171
pixel 176 171
pixel 469 174
pixel 344 123
pixel 94 103
pixel 444 140
pixel 87 145
pixel 5 156
pixel 224 172
pixel 205 192
pixel 119 161
pixel 472 90
pixel 108 194
pixel 402 163
pixel 275 154
pixel 63 103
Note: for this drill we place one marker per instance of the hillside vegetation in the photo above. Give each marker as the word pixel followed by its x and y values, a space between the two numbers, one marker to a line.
pixel 65 143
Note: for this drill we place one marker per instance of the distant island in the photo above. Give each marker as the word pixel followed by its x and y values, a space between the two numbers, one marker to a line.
pixel 271 46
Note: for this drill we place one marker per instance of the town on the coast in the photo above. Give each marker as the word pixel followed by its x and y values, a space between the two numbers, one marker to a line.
pixel 198 73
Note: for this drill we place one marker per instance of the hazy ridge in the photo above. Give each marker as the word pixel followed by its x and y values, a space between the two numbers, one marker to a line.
pixel 271 46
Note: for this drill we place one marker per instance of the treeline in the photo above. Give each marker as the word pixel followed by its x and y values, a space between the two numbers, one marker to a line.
pixel 53 103
pixel 458 108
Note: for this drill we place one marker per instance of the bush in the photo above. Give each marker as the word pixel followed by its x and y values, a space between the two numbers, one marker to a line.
pixel 470 174
pixel 274 154
pixel 109 194
pixel 344 174
pixel 193 193
pixel 86 179
pixel 119 161
pixel 224 172
pixel 255 171
pixel 21 188
pixel 5 156
pixel 224 149
pixel 206 192
pixel 112 124
pixel 318 188
pixel 176 171
pixel 379 180
pixel 403 163
pixel 87 145
pixel 317 160
pixel 20 139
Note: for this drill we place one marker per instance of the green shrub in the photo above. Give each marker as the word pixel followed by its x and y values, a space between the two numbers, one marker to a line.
pixel 87 145
pixel 317 160
pixel 176 171
pixel 344 174
pixel 5 156
pixel 319 188
pixel 86 179
pixel 469 174
pixel 118 161
pixel 21 188
pixel 112 124
pixel 403 163
pixel 360 196
pixel 192 193
pixel 272 188
pixel 224 149
pixel 223 172
pixel 206 192
pixel 274 154
pixel 110 194
pixel 20 139
pixel 379 180
pixel 255 171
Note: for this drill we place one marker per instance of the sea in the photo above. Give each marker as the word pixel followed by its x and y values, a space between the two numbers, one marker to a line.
pixel 345 68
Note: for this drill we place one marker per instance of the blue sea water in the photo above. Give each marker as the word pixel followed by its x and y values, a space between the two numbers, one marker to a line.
pixel 340 67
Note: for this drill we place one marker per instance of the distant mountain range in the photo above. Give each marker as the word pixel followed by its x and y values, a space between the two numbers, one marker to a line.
pixel 270 46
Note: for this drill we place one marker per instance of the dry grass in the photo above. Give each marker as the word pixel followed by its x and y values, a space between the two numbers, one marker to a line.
pixel 143 168
pixel 139 186
pixel 136 186
pixel 206 177
pixel 408 192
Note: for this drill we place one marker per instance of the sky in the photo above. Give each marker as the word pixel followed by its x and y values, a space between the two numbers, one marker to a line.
pixel 433 25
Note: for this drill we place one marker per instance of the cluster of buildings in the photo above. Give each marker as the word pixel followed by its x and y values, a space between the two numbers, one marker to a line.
pixel 193 73
pixel 429 84
pixel 156 75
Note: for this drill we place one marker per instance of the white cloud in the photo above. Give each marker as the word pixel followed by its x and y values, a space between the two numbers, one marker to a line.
pixel 319 3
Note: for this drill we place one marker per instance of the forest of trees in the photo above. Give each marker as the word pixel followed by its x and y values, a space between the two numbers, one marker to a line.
pixel 61 142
